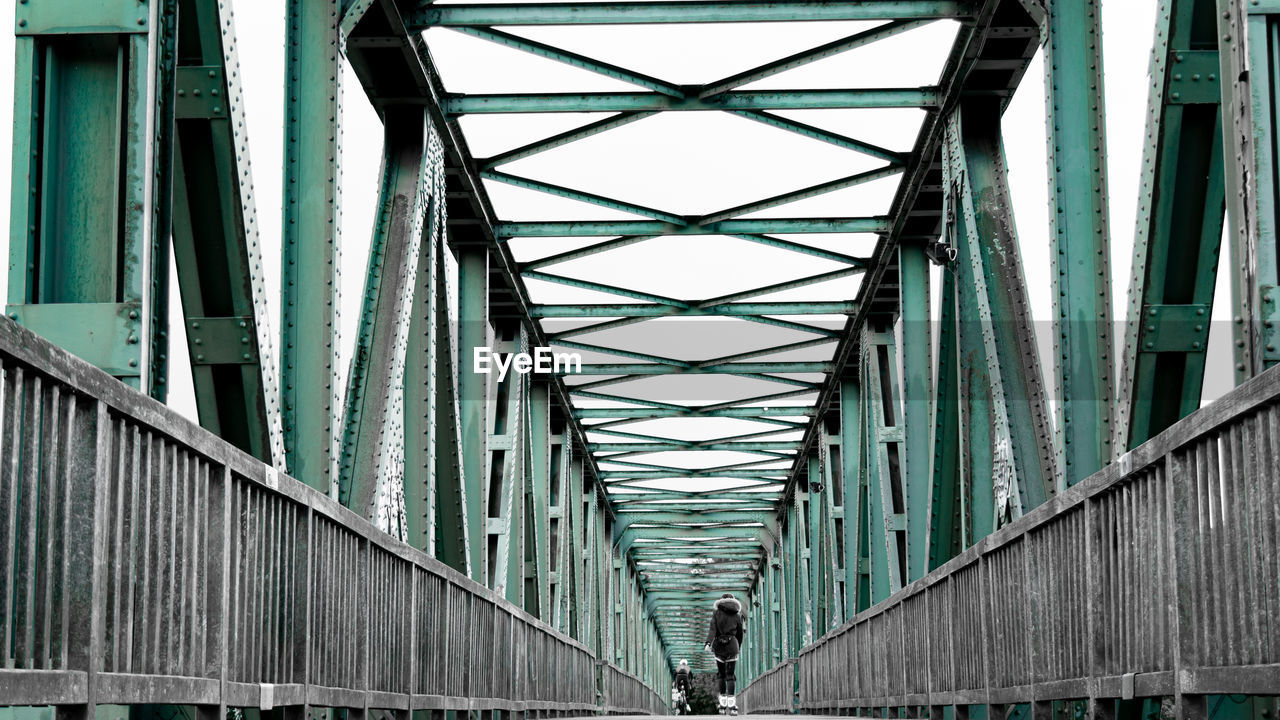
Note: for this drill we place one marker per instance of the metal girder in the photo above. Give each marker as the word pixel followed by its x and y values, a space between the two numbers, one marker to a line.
pixel 1000 383
pixel 310 391
pixel 661 102
pixel 1183 197
pixel 606 228
pixel 605 13
pixel 947 534
pixel 886 500
pixel 917 395
pixel 215 243
pixel 728 310
pixel 1078 219
pixel 373 432
pixel 1248 58
pixel 507 421
pixel 437 494
pixel 88 250
pixel 473 332
pixel 853 478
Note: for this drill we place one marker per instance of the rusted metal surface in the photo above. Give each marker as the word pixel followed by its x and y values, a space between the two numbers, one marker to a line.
pixel 147 561
pixel 1155 577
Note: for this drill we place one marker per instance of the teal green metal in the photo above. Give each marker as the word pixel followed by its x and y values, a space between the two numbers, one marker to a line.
pixel 215 242
pixel 88 264
pixel 726 227
pixel 473 332
pixel 537 502
pixel 917 405
pixel 373 429
pixel 310 241
pixel 1078 219
pixel 1245 33
pixel 945 503
pixel 853 478
pixel 660 102
pixel 1009 440
pixel 599 13
pixel 882 427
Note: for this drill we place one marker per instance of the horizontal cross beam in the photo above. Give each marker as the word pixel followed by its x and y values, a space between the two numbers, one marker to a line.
pixel 622 13
pixel 726 310
pixel 603 228
pixel 628 102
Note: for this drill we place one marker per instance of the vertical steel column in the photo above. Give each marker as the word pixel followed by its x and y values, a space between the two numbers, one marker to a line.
pixel 887 520
pixel 857 594
pixel 946 526
pixel 832 527
pixel 1082 303
pixel 434 491
pixel 505 467
pixel 88 262
pixel 473 332
pixel 917 406
pixel 1249 59
pixel 373 432
pixel 1001 387
pixel 310 394
pixel 215 240
pixel 537 589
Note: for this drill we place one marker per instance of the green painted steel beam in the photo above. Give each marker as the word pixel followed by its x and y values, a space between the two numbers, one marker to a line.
pixel 806 57
pixel 945 540
pixel 581 196
pixel 644 413
pixel 726 369
pixel 924 97
pixel 377 373
pixel 710 445
pixel 1179 232
pixel 1078 218
pixel 1253 194
pixel 215 245
pixel 310 394
pixel 473 332
pixel 725 310
pixel 725 227
pixel 815 133
pixel 572 59
pixel 88 260
pixel 998 359
pixel 917 397
pixel 803 194
pixel 607 13
pixel 563 138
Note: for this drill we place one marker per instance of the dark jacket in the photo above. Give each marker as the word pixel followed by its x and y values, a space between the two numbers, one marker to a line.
pixel 682 680
pixel 725 635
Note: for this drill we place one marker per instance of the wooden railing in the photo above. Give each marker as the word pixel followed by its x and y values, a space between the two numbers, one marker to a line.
pixel 1158 576
pixel 772 692
pixel 143 560
pixel 625 694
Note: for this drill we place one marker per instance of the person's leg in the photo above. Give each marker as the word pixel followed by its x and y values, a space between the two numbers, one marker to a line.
pixel 730 679
pixel 721 668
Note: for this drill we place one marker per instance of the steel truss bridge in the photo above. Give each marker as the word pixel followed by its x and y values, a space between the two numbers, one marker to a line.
pixel 917 525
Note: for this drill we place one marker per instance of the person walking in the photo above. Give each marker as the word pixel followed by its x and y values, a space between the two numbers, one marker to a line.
pixel 681 685
pixel 724 639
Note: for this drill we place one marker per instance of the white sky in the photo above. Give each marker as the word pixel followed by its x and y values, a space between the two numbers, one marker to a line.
pixel 685 162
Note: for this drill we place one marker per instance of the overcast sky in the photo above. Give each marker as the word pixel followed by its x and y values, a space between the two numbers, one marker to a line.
pixel 684 162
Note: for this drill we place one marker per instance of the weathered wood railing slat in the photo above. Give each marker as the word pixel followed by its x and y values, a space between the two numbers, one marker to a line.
pixel 144 560
pixel 1157 576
